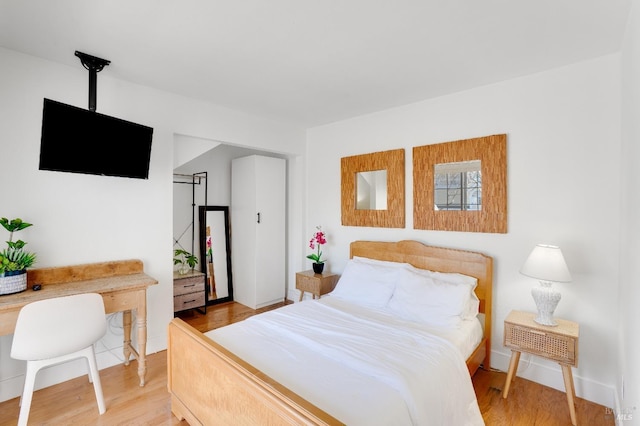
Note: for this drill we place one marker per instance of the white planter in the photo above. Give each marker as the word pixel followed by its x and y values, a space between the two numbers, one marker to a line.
pixel 14 283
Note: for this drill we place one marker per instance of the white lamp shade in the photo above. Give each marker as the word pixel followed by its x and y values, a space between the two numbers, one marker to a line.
pixel 546 263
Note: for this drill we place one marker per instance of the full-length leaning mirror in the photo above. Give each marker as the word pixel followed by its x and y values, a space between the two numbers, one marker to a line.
pixel 215 253
pixel 461 185
pixel 373 189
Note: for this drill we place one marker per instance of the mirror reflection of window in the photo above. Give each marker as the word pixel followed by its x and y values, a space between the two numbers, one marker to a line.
pixel 458 186
pixel 371 190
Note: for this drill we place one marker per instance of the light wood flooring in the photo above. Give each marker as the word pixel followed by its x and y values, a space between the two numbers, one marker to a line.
pixel 73 402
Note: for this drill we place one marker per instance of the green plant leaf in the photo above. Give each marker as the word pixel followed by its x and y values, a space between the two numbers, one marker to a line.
pixel 14 224
pixel 182 257
pixel 16 259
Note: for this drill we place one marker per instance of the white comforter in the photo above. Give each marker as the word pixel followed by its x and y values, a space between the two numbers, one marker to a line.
pixel 364 367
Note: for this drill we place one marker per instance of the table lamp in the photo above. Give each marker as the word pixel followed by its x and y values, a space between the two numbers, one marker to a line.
pixel 546 264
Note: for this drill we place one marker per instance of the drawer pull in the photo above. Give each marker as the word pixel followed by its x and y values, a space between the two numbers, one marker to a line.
pixel 540 333
pixel 189 301
pixel 188 285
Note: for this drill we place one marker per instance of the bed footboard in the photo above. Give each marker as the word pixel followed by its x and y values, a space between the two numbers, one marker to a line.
pixel 210 385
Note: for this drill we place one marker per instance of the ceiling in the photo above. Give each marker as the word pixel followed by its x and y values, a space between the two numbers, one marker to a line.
pixel 312 62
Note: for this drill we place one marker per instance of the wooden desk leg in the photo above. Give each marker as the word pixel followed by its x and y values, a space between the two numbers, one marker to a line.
pixel 141 319
pixel 513 367
pixel 570 390
pixel 301 295
pixel 126 326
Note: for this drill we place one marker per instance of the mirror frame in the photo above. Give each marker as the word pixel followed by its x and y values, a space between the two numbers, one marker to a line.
pixel 203 264
pixel 393 162
pixel 492 153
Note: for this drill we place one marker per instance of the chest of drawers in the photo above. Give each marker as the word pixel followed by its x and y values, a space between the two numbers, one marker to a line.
pixel 188 290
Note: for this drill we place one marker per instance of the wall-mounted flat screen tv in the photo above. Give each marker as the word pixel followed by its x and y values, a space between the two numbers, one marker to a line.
pixel 78 140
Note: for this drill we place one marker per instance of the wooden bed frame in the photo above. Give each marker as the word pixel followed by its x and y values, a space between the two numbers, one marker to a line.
pixel 210 385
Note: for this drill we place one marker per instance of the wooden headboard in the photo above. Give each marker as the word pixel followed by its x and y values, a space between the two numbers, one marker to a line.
pixel 439 259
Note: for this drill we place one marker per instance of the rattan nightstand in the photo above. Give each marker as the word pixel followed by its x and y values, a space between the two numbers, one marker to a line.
pixel 316 284
pixel 559 343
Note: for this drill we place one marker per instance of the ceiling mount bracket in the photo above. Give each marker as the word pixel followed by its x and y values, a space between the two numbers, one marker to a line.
pixel 94 65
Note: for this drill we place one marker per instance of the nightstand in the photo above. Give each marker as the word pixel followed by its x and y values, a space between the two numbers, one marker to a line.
pixel 188 290
pixel 316 284
pixel 559 343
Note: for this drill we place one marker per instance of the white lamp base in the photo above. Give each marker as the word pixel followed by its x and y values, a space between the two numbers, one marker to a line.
pixel 546 298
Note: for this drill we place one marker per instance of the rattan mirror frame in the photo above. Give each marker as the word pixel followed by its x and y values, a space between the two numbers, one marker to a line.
pixel 393 162
pixel 492 153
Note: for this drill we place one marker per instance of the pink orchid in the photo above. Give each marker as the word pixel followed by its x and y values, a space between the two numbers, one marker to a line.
pixel 318 239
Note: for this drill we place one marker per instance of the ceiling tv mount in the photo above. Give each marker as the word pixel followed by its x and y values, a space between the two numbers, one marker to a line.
pixel 94 65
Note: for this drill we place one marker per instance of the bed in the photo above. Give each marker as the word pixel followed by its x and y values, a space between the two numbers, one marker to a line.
pixel 329 361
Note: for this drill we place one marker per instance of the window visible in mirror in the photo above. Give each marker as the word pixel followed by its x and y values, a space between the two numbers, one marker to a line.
pixel 371 190
pixel 458 186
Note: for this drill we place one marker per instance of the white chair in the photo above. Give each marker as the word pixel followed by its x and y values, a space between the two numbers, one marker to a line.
pixel 57 330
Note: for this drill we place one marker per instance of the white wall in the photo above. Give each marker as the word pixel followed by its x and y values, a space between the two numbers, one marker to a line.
pixel 81 218
pixel 628 347
pixel 563 151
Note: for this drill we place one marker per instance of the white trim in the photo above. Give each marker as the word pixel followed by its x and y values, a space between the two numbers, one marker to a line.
pixel 530 369
pixel 12 387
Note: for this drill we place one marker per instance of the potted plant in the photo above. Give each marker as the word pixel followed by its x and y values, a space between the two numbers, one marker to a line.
pixel 317 240
pixel 185 259
pixel 14 260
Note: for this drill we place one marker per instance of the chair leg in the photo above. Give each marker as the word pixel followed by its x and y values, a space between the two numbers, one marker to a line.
pixel 94 375
pixel 27 393
pixel 34 366
pixel 89 370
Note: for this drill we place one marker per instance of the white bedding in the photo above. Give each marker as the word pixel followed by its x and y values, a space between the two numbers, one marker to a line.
pixel 363 366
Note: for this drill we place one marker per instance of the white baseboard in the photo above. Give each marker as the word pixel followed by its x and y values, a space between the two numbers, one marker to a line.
pixel 623 415
pixel 12 387
pixel 551 375
pixel 617 405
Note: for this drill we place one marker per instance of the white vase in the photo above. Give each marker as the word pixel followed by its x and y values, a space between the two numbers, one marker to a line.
pixel 13 282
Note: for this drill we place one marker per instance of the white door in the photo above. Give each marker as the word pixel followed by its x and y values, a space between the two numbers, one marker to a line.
pixel 258 230
pixel 270 231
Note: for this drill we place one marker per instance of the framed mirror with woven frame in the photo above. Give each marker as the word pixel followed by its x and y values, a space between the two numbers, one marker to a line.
pixel 394 215
pixel 491 217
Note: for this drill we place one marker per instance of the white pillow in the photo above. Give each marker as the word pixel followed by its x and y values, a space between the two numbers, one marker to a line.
pixel 366 284
pixel 472 307
pixel 452 277
pixel 381 262
pixel 420 298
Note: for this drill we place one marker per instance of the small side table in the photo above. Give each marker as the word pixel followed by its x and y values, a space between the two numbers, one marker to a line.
pixel 558 343
pixel 316 284
pixel 188 291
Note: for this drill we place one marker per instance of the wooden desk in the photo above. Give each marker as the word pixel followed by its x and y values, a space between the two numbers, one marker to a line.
pixel 122 284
